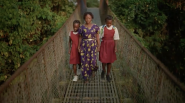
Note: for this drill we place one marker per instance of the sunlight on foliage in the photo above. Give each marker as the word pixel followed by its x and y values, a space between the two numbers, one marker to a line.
pixel 25 26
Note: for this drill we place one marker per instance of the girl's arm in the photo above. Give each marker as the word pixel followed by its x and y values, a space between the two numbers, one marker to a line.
pixel 115 42
pixel 80 39
pixel 69 45
pixel 116 37
pixel 98 41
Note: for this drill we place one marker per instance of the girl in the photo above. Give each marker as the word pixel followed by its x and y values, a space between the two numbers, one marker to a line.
pixel 88 46
pixel 73 51
pixel 109 35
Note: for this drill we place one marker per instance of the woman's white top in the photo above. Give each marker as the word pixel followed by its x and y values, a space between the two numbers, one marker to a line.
pixel 116 34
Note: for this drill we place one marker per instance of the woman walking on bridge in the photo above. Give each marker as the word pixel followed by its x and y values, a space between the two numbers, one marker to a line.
pixel 89 44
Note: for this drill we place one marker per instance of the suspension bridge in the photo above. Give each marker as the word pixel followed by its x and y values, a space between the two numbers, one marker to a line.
pixel 137 75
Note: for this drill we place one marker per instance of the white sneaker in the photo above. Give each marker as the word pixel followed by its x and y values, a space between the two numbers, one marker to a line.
pixel 75 78
pixel 78 71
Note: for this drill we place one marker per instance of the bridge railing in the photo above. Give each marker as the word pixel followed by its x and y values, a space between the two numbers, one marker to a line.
pixel 44 77
pixel 139 75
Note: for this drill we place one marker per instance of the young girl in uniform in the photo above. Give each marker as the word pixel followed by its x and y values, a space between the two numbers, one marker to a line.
pixel 109 35
pixel 73 50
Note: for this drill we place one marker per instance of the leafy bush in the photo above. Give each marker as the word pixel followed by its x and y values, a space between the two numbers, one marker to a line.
pixel 92 3
pixel 159 25
pixel 143 16
pixel 24 26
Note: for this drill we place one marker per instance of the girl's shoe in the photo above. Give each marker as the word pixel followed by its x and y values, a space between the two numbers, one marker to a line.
pixel 108 78
pixel 75 78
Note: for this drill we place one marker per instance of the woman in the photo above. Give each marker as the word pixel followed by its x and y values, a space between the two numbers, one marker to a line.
pixel 89 44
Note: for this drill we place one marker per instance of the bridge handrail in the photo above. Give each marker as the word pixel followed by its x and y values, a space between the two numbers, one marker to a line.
pixel 26 64
pixel 104 4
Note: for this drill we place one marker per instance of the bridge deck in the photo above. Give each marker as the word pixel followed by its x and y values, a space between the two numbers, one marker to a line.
pixel 97 90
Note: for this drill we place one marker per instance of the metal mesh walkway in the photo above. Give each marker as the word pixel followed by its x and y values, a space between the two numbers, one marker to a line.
pixel 96 91
pixel 138 76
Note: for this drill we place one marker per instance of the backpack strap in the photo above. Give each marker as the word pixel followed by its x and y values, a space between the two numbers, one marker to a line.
pixel 102 30
pixel 113 27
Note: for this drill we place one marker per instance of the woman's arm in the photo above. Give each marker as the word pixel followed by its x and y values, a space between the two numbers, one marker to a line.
pixel 80 39
pixel 69 45
pixel 98 42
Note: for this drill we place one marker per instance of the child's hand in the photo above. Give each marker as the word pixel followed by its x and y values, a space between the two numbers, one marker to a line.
pixel 115 49
pixel 98 49
pixel 79 49
pixel 69 51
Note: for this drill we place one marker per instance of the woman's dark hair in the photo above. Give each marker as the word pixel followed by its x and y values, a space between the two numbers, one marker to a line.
pixel 76 21
pixel 85 14
pixel 108 17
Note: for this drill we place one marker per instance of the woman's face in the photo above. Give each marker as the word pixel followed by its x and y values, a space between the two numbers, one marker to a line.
pixel 88 18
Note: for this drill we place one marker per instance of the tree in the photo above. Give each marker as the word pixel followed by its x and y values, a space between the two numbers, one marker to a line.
pixel 159 25
pixel 24 26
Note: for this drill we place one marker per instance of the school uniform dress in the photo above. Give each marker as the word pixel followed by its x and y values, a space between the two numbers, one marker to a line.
pixel 107 52
pixel 74 55
pixel 88 48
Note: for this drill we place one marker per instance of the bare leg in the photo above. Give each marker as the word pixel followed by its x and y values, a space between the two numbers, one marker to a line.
pixel 74 68
pixel 93 72
pixel 79 66
pixel 75 72
pixel 103 71
pixel 103 66
pixel 108 72
pixel 108 68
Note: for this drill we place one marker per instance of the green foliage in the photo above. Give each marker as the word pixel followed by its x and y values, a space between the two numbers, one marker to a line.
pixel 144 17
pixel 159 25
pixel 92 3
pixel 24 26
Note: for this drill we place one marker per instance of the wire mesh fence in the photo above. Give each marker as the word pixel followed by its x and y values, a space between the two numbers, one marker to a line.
pixel 45 76
pixel 140 77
